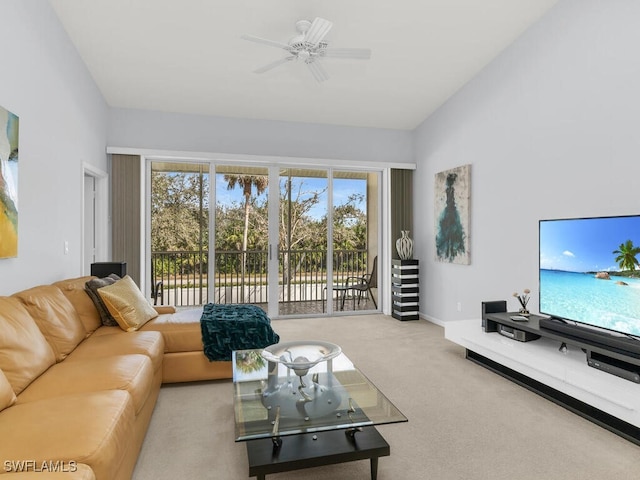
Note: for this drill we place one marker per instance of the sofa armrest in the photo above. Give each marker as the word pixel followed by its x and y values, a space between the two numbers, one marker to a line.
pixel 164 309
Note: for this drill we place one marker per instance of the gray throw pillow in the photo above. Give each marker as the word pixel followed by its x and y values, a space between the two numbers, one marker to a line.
pixel 91 287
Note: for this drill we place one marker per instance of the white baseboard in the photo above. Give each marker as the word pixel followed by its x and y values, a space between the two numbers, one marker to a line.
pixel 431 319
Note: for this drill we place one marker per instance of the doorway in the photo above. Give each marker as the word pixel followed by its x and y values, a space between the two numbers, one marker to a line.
pixel 94 217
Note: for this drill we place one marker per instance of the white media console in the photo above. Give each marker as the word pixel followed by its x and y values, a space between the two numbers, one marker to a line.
pixel 561 376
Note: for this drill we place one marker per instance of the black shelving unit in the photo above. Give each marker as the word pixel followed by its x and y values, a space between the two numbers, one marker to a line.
pixel 405 289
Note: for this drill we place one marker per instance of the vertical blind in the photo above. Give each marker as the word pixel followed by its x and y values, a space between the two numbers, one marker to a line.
pixel 126 211
pixel 401 204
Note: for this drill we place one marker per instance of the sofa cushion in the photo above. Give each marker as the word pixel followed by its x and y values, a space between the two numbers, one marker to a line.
pixel 7 395
pixel 55 316
pixel 92 287
pixel 132 373
pixel 75 290
pixel 91 428
pixel 163 309
pixel 181 330
pixel 127 305
pixel 24 352
pixel 35 470
pixel 150 344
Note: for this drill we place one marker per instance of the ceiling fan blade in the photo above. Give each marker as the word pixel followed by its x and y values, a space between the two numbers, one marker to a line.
pixel 264 41
pixel 317 31
pixel 318 71
pixel 271 65
pixel 357 53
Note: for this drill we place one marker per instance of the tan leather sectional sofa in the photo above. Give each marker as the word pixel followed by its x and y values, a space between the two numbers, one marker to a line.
pixel 76 397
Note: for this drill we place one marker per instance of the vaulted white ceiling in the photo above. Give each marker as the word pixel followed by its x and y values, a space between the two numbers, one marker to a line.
pixel 187 56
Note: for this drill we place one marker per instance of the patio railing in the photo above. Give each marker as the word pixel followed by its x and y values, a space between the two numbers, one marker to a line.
pixel 242 277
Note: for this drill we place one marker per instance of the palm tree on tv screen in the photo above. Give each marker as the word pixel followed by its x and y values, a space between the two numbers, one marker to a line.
pixel 626 256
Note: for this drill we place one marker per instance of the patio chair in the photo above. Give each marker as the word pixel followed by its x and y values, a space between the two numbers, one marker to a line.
pixel 157 287
pixel 365 283
pixel 157 290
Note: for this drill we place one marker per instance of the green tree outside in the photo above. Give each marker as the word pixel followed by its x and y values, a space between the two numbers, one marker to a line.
pixel 180 218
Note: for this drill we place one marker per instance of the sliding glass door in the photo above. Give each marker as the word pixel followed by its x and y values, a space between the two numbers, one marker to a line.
pixel 179 233
pixel 302 239
pixel 241 261
pixel 293 240
pixel 354 239
pixel 328 241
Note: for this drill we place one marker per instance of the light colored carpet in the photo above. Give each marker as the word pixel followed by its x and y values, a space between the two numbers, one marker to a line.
pixel 465 422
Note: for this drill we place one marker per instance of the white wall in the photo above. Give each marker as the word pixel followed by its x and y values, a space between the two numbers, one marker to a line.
pixel 199 133
pixel 62 124
pixel 551 129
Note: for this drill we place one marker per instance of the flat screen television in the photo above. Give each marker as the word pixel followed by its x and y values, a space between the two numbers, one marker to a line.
pixel 589 272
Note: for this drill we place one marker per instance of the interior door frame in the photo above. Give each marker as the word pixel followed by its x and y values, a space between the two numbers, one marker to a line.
pixel 101 215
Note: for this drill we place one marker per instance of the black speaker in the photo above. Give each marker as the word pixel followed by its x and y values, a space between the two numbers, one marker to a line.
pixel 516 334
pixel 492 307
pixel 104 269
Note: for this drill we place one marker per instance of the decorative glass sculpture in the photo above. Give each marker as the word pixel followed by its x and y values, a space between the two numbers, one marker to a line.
pixel 301 356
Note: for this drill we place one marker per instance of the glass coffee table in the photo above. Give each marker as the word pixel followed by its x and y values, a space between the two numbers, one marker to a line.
pixel 312 413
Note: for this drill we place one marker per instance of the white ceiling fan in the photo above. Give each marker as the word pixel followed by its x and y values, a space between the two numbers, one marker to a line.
pixel 309 47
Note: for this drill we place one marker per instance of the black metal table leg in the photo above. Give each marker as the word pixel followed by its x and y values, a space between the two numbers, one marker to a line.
pixel 374 468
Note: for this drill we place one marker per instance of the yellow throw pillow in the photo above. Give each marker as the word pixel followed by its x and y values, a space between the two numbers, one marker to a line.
pixel 126 304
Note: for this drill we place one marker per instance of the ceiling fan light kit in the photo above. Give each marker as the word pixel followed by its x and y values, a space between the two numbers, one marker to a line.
pixel 309 47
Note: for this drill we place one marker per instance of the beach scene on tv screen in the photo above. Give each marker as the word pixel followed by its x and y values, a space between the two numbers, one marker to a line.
pixel 589 271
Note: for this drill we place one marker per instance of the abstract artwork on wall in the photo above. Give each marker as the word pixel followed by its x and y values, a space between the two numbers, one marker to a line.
pixel 452 198
pixel 9 127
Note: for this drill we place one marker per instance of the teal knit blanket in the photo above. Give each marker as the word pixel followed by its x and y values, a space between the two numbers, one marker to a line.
pixel 226 328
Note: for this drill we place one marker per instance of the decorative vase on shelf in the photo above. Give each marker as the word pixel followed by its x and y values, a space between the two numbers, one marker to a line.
pixel 523 300
pixel 404 246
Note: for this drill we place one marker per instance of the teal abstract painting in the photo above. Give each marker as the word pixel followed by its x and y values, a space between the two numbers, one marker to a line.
pixel 452 197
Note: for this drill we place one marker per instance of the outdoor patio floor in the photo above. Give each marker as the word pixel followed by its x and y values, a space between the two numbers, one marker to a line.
pixel 316 307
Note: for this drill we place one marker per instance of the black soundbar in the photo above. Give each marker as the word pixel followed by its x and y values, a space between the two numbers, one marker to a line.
pixel 626 345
